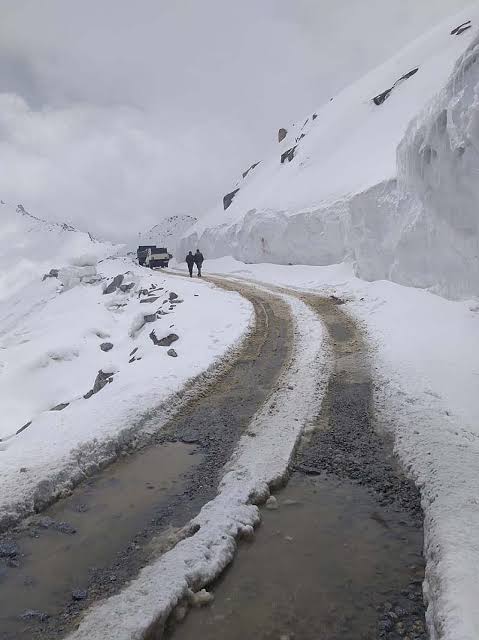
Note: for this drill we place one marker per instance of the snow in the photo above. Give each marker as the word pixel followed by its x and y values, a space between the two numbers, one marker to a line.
pixel 339 200
pixel 426 374
pixel 258 462
pixel 50 336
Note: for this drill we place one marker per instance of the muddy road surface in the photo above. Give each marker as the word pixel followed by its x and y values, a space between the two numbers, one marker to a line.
pixel 341 555
pixel 89 545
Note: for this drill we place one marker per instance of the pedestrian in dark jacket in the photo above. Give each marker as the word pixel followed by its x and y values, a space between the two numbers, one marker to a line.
pixel 190 261
pixel 199 261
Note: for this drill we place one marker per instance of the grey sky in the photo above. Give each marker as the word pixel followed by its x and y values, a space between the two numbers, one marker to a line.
pixel 120 112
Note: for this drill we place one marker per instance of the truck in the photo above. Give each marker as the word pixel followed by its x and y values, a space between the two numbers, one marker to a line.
pixel 152 256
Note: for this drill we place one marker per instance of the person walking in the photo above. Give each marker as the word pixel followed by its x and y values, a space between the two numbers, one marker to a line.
pixel 199 261
pixel 190 261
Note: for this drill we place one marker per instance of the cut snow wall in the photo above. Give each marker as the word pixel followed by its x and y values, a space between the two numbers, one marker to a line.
pixel 421 230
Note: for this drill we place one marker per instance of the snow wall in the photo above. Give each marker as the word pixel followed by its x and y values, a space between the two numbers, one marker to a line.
pixel 421 229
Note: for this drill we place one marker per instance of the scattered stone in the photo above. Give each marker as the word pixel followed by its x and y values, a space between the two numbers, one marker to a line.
pixel 172 353
pixel 106 346
pixel 23 469
pixel 150 317
pixel 271 503
pixel 25 426
pixel 315 115
pixel 163 342
pixel 282 133
pixel 461 28
pixel 33 614
pixel 172 296
pixel 79 594
pixel 201 598
pixel 65 527
pixel 228 198
pixel 132 353
pixel 9 549
pixel 114 284
pixel 60 407
pixel 288 155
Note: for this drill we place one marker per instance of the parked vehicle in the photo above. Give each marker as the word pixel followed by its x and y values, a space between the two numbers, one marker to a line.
pixel 152 256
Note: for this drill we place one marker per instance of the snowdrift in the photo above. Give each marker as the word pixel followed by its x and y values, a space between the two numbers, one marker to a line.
pixel 375 177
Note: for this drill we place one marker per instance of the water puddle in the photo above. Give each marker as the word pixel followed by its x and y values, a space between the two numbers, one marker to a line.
pixel 330 563
pixel 106 513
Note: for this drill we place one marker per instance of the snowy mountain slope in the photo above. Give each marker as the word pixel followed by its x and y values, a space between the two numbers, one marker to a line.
pixel 83 329
pixel 168 232
pixel 337 198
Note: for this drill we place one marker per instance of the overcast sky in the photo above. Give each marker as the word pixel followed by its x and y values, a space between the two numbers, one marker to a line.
pixel 115 113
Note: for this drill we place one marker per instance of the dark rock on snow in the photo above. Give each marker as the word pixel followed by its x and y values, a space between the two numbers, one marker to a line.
pixel 114 284
pixel 288 155
pixel 25 426
pixel 106 346
pixel 150 299
pixel 53 273
pixel 253 166
pixel 382 97
pixel 172 353
pixel 282 133
pixel 173 296
pixel 126 287
pixel 60 407
pixel 101 380
pixel 461 28
pixel 163 342
pixel 228 198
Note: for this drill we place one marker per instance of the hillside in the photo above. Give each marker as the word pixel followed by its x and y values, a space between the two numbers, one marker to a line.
pixel 334 191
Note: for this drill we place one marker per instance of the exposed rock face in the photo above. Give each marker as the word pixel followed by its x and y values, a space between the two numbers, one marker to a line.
pixel 163 342
pixel 382 97
pixel 282 133
pixel 101 380
pixel 172 353
pixel 114 284
pixel 461 28
pixel 253 166
pixel 228 198
pixel 288 155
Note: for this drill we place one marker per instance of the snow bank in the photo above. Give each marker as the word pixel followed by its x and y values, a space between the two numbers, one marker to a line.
pixel 425 372
pixel 58 332
pixel 259 462
pixel 338 198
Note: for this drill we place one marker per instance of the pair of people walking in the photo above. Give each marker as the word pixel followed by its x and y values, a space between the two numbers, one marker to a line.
pixel 197 259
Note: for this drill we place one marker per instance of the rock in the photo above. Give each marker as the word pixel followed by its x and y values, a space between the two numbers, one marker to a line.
pixel 149 299
pixel 172 353
pixel 114 284
pixel 106 346
pixel 201 598
pixel 461 28
pixel 124 288
pixel 228 198
pixel 33 614
pixel 315 115
pixel 132 353
pixel 8 549
pixel 164 342
pixel 150 317
pixel 271 503
pixel 53 273
pixel 60 407
pixel 253 166
pixel 172 296
pixel 382 97
pixel 46 522
pixel 282 133
pixel 101 380
pixel 13 563
pixel 25 426
pixel 288 155
pixel 79 594
pixel 23 469
pixel 65 527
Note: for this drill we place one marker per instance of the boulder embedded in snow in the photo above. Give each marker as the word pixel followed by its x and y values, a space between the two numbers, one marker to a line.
pixel 60 407
pixel 150 299
pixel 253 166
pixel 382 97
pixel 124 288
pixel 150 317
pixel 163 342
pixel 106 346
pixel 461 28
pixel 53 273
pixel 282 133
pixel 172 353
pixel 173 296
pixel 228 198
pixel 114 284
pixel 101 380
